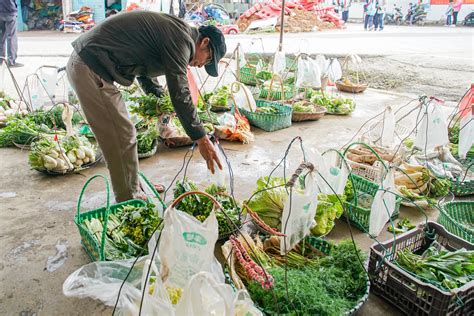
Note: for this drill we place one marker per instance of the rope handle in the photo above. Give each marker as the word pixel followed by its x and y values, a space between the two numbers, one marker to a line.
pixel 107 208
pixel 210 197
pixel 303 166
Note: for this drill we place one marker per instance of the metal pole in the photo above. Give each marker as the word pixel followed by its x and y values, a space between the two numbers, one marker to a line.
pixel 282 24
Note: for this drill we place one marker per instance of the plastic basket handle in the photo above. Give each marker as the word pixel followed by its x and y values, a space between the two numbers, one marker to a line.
pixel 210 197
pixel 303 166
pixel 107 208
pixel 152 188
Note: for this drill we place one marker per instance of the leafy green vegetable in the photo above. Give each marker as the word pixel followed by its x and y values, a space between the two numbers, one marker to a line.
pixel 22 130
pixel 329 208
pixel 446 269
pixel 336 105
pixel 264 75
pixel 403 225
pixel 269 204
pixel 150 106
pixel 303 107
pixel 200 206
pixel 146 138
pixel 267 109
pixel 332 287
pixel 219 98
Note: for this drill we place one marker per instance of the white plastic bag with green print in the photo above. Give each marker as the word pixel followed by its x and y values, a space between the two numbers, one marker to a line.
pixel 186 247
pixel 298 214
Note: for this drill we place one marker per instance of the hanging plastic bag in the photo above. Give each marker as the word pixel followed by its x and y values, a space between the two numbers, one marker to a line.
pixel 219 177
pixel 323 64
pixel 335 70
pixel 242 97
pixel 49 79
pixel 383 205
pixel 203 295
pixel 332 176
pixel 241 62
pixel 279 63
pixel 433 131
pixel 388 128
pixel 308 74
pixel 466 135
pixel 186 246
pixel 298 215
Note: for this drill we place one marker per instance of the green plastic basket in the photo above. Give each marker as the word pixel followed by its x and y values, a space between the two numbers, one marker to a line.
pixel 269 122
pixel 93 247
pixel 462 188
pixel 458 219
pixel 360 216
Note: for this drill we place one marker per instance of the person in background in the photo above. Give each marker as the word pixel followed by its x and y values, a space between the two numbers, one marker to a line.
pixel 449 13
pixel 370 6
pixel 379 15
pixel 9 43
pixel 456 8
pixel 345 5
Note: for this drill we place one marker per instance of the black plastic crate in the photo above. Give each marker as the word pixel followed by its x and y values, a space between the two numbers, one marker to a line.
pixel 409 294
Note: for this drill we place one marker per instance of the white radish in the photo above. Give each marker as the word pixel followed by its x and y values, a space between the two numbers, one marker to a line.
pixel 9 112
pixel 88 151
pixel 80 153
pixel 79 162
pixel 2 110
pixel 49 162
pixel 92 159
pixel 61 163
pixel 54 154
pixel 71 156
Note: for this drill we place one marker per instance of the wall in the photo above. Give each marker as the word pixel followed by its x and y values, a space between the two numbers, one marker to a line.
pixel 435 11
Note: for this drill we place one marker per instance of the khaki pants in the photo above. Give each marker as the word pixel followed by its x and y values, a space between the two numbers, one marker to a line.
pixel 108 118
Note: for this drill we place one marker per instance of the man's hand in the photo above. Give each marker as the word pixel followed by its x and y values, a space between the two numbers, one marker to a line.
pixel 206 148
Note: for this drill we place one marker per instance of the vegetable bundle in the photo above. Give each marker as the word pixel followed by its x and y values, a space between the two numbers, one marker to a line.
pixel 334 105
pixel 329 208
pixel 200 206
pixel 219 98
pixel 146 139
pixel 62 155
pixel 128 231
pixel 150 106
pixel 448 270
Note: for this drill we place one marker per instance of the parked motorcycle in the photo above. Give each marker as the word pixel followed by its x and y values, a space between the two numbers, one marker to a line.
pixel 394 17
pixel 419 16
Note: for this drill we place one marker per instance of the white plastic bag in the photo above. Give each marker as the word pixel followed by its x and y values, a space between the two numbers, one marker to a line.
pixel 243 305
pixel 383 205
pixel 227 120
pixel 279 63
pixel 323 64
pixel 466 135
pixel 433 131
pixel 241 62
pixel 219 176
pixel 335 70
pixel 308 74
pixel 243 97
pixel 186 246
pixel 331 178
pixel 388 128
pixel 298 215
pixel 102 281
pixel 49 78
pixel 203 295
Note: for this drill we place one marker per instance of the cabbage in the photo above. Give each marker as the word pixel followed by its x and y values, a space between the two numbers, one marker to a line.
pixel 329 208
pixel 269 204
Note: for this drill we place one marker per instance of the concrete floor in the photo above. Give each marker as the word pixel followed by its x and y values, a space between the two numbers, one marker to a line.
pixel 36 211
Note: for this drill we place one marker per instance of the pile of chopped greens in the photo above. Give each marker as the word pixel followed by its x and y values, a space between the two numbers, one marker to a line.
pixel 334 105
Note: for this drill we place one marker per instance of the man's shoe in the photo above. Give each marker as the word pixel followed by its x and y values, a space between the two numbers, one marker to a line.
pixel 15 65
